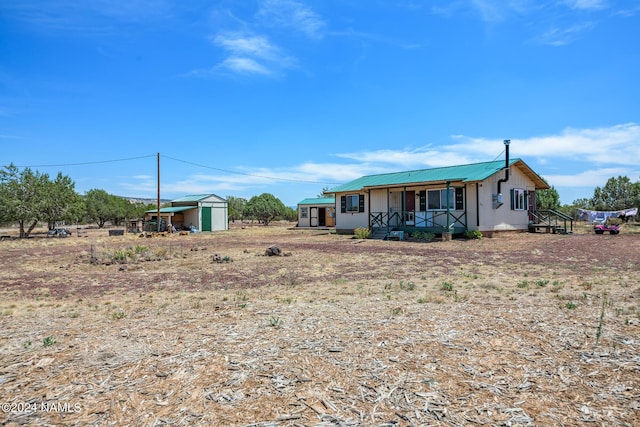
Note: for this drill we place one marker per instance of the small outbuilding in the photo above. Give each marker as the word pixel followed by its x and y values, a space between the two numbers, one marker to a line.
pixel 201 212
pixel 317 212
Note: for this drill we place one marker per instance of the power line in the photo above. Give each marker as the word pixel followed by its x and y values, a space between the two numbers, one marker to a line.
pixel 247 174
pixel 177 160
pixel 87 163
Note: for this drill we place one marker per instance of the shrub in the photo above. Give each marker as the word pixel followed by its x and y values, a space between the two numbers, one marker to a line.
pixel 362 233
pixel 473 235
pixel 424 235
pixel 48 341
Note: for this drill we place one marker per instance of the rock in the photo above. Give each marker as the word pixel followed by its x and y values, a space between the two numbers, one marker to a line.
pixel 273 251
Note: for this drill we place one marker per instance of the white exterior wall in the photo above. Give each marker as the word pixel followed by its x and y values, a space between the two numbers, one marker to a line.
pixel 191 218
pixel 472 205
pixel 379 202
pixel 349 221
pixel 219 213
pixel 503 218
pixel 304 222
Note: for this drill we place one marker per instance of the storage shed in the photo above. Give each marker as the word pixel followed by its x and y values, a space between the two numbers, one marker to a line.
pixel 317 212
pixel 205 212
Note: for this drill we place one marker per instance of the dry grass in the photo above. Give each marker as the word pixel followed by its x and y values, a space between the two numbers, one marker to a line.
pixel 526 329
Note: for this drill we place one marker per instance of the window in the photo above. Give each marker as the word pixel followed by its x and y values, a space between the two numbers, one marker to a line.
pixel 304 212
pixel 518 199
pixel 352 203
pixel 439 199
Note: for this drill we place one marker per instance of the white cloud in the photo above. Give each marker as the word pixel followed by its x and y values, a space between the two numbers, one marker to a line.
pixel 244 66
pixel 617 145
pixel 291 15
pixel 250 54
pixel 489 10
pixel 564 36
pixel 409 158
pixel 241 44
pixel 587 4
pixel 588 178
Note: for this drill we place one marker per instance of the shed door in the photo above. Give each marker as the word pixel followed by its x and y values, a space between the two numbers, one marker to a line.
pixel 206 218
pixel 322 217
pixel 314 216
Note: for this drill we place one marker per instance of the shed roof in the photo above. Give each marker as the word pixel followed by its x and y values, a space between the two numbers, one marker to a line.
pixel 462 173
pixel 318 201
pixel 196 198
pixel 172 209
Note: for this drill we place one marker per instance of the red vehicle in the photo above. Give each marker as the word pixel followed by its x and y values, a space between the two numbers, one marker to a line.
pixel 604 227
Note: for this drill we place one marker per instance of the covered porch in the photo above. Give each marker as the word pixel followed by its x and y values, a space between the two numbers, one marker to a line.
pixel 437 209
pixel 414 221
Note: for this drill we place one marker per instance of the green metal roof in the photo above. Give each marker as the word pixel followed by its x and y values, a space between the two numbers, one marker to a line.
pixel 319 201
pixel 194 198
pixel 463 173
pixel 172 209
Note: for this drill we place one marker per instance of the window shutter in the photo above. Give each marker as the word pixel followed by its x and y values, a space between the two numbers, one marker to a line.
pixel 423 200
pixel 361 203
pixel 343 204
pixel 459 199
pixel 513 199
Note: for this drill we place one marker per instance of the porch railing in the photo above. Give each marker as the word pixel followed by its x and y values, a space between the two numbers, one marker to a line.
pixel 437 221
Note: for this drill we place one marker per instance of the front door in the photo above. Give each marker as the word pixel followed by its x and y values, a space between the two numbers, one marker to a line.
pixel 531 204
pixel 410 207
pixel 314 217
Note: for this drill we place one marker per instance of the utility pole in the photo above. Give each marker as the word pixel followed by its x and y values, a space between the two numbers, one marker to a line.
pixel 158 219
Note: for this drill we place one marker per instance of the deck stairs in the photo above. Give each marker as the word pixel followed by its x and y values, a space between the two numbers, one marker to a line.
pixel 379 233
pixel 551 221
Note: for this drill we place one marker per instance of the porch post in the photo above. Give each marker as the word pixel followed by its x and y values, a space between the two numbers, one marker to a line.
pixel 446 235
pixel 404 207
pixel 388 209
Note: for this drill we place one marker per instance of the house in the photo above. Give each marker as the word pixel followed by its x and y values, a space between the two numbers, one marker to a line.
pixel 488 197
pixel 205 212
pixel 318 212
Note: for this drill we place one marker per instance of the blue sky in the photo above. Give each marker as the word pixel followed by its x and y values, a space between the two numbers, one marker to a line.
pixel 291 96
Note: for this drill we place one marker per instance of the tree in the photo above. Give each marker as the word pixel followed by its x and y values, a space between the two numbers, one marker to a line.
pixel 61 202
pixel 137 209
pixel 617 194
pixel 290 214
pixel 324 192
pixel 22 197
pixel 264 208
pixel 101 206
pixel 547 199
pixel 236 207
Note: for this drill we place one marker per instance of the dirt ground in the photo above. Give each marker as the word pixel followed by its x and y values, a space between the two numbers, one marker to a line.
pixel 518 330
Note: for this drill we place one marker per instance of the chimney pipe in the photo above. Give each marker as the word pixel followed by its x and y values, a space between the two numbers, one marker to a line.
pixel 506 167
